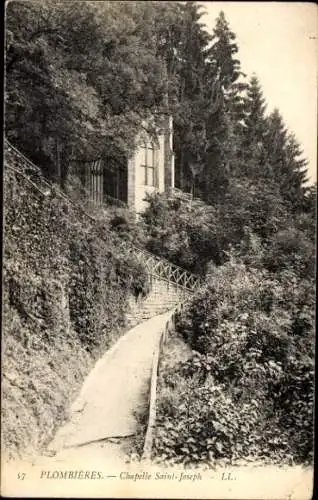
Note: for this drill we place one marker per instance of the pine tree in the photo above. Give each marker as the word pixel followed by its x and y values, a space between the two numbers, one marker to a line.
pixel 224 124
pixel 293 185
pixel 254 114
pixel 251 129
pixel 275 137
pixel 190 114
pixel 285 161
pixel 221 53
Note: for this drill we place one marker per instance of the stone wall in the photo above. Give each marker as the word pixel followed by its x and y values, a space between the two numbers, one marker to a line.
pixel 163 297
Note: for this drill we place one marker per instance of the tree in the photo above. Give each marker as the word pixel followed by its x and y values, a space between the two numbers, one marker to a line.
pixel 83 79
pixel 254 116
pixel 251 205
pixel 284 158
pixel 189 116
pixel 221 53
pixel 294 175
pixel 223 125
pixel 43 90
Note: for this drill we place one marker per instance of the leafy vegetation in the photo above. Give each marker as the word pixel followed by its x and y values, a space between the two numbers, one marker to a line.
pixel 185 235
pixel 246 391
pixel 65 296
pixel 85 80
pixel 79 78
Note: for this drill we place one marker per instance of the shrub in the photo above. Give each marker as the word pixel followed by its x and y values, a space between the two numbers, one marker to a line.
pixel 252 340
pixel 291 249
pixel 182 233
pixel 200 423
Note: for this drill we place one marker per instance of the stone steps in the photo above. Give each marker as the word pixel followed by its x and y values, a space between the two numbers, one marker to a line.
pixel 163 297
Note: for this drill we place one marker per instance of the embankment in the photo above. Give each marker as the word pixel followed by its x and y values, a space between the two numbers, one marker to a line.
pixel 66 292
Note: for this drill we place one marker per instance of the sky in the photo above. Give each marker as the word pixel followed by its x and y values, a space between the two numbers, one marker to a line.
pixel 278 41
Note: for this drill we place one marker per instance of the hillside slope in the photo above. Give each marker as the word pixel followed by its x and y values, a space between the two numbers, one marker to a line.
pixel 65 296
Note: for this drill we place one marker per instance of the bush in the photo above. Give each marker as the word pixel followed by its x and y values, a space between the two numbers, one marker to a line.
pixel 123 223
pixel 252 339
pixel 181 232
pixel 206 426
pixel 291 249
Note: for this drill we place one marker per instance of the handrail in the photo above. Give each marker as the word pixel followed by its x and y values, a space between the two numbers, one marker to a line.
pixel 155 265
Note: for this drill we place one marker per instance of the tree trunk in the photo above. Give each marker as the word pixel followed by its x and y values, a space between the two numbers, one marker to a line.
pixel 181 172
pixel 58 161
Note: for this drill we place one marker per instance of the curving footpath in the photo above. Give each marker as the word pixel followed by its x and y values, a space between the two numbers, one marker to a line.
pixel 104 414
pixel 89 452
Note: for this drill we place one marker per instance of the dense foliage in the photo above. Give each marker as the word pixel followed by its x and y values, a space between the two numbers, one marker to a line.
pixel 66 292
pixel 191 233
pixel 184 234
pixel 94 273
pixel 80 78
pixel 246 391
pixel 85 80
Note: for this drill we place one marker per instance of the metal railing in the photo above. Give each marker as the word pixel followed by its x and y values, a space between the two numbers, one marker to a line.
pixel 156 266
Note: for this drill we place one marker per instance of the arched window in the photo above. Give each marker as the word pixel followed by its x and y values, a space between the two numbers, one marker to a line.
pixel 148 164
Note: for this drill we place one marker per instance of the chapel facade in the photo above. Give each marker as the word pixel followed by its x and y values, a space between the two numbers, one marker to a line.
pixel 149 169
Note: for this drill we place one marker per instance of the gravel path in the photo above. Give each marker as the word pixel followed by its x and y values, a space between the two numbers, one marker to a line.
pixel 104 415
